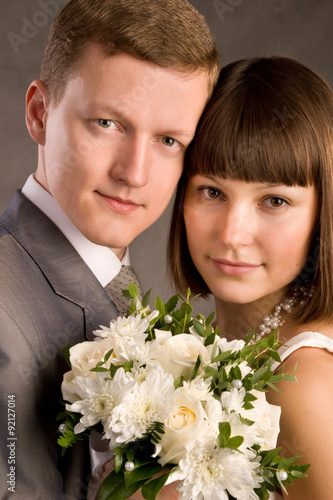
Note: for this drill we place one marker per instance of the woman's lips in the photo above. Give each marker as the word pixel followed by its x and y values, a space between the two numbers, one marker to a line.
pixel 119 205
pixel 234 268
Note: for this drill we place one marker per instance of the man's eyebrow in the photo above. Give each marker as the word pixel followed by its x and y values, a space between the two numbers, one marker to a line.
pixel 177 132
pixel 108 111
pixel 104 109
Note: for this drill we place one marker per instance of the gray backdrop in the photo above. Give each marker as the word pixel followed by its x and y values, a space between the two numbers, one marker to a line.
pixel 243 28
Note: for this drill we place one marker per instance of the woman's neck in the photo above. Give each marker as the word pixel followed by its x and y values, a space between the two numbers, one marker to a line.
pixel 236 320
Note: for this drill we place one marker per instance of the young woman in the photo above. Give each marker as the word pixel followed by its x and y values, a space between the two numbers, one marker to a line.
pixel 253 225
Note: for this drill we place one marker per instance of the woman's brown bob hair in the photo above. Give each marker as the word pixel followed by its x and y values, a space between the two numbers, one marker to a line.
pixel 269 120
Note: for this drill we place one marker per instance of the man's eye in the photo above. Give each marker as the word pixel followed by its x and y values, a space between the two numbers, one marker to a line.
pixel 104 123
pixel 171 143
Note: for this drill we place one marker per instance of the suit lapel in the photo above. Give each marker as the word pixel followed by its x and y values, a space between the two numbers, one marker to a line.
pixel 58 260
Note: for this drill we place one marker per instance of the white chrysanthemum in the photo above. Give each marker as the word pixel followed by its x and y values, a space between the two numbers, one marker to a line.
pixel 132 326
pixel 133 349
pixel 139 371
pixel 233 400
pixel 208 472
pixel 243 366
pixel 99 397
pixel 147 403
pixel 238 428
pixel 200 388
pixel 266 418
pixel 233 345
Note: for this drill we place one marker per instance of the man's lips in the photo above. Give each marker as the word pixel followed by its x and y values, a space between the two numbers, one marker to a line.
pixel 234 268
pixel 119 204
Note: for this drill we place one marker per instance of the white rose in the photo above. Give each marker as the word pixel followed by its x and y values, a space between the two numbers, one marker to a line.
pixel 178 353
pixel 186 423
pixel 83 357
pixel 86 355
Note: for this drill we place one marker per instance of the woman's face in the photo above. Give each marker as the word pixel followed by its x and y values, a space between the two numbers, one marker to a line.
pixel 248 240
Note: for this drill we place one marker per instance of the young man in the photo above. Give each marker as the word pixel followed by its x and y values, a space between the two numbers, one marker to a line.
pixel 123 84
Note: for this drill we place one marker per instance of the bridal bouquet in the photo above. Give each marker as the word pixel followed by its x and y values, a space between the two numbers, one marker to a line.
pixel 178 403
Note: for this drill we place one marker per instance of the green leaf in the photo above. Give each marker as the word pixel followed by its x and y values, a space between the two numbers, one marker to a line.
pixel 210 339
pixel 258 375
pixel 224 433
pixel 274 354
pixel 246 421
pixel 113 487
pixel 127 294
pixel 199 328
pixel 196 367
pixel 210 371
pixel 221 357
pixel 118 461
pixel 159 304
pixel 171 304
pixel 249 336
pixel 66 354
pixel 234 442
pixel 107 355
pixel 178 382
pixel 297 473
pixel 269 457
pixel 146 299
pixel 208 331
pixel 143 473
pixel 236 373
pixel 150 490
pixel 133 290
pixel 186 308
pixel 210 318
pixel 99 369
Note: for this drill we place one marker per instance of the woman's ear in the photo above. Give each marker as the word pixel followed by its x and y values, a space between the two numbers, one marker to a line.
pixel 37 101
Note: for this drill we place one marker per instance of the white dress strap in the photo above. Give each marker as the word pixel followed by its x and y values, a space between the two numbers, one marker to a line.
pixel 305 339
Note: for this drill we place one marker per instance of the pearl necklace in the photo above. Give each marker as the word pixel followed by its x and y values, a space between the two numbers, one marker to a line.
pixel 270 323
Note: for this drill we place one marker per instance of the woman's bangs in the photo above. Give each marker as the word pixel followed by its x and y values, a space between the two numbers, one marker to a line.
pixel 255 148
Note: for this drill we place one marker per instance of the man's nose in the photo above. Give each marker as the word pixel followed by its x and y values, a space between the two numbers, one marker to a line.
pixel 132 162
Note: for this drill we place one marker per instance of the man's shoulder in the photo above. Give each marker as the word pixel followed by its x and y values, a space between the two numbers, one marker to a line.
pixel 20 212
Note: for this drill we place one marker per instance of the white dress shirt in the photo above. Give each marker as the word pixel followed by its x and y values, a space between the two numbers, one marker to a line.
pixel 101 260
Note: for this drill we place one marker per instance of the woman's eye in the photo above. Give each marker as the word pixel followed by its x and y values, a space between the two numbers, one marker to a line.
pixel 104 123
pixel 276 202
pixel 211 192
pixel 171 143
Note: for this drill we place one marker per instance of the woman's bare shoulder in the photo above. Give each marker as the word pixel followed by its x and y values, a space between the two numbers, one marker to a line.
pixel 306 419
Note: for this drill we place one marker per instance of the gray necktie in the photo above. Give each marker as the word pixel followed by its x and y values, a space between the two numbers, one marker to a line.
pixel 119 283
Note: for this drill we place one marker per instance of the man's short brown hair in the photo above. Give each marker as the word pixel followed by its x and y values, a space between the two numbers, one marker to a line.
pixel 168 33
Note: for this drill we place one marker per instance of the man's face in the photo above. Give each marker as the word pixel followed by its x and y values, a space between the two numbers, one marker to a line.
pixel 114 145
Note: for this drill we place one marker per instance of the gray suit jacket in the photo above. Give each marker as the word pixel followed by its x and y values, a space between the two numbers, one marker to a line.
pixel 49 299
